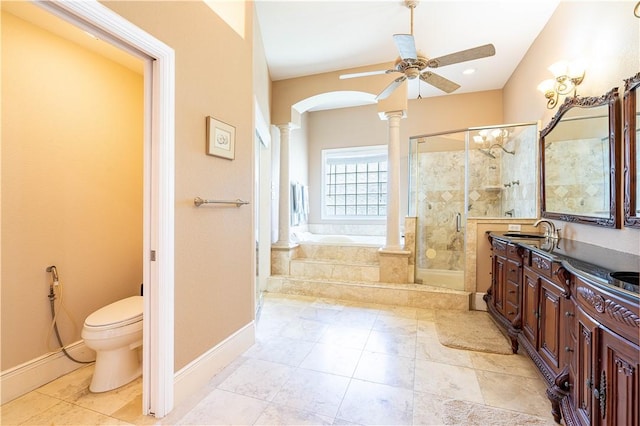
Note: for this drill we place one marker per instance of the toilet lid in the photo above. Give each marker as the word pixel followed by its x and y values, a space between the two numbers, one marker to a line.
pixel 122 312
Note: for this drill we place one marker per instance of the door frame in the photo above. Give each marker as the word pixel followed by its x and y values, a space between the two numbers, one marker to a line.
pixel 159 169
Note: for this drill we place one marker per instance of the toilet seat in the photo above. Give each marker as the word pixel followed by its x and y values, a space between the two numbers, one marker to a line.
pixel 118 314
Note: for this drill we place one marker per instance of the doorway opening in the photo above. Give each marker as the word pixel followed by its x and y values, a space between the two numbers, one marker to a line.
pixel 158 192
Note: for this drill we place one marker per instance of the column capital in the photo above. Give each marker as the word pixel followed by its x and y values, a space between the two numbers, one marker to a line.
pixel 387 115
pixel 286 127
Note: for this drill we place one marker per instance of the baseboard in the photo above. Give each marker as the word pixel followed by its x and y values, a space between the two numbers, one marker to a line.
pixel 197 373
pixel 478 302
pixel 26 377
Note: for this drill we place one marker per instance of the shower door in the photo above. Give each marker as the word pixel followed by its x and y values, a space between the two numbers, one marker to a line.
pixel 437 170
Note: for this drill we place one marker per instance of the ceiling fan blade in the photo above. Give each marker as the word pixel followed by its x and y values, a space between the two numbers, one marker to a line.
pixel 438 81
pixel 463 56
pixel 406 46
pixel 366 74
pixel 390 88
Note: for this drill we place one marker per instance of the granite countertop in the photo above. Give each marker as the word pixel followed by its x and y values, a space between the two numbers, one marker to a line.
pixel 592 262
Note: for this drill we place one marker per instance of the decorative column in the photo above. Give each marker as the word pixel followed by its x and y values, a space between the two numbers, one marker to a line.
pixel 394 260
pixel 282 251
pixel 393 182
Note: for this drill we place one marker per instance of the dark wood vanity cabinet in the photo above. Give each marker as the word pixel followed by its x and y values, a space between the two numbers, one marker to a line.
pixel 606 380
pixel 551 339
pixel 503 298
pixel 582 336
pixel 498 272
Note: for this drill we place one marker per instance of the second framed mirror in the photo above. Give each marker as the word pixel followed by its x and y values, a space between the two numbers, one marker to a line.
pixel 580 157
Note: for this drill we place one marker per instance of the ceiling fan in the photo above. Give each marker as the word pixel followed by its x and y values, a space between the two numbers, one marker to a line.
pixel 413 64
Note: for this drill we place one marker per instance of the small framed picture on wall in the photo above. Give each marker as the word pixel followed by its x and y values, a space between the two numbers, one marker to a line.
pixel 221 139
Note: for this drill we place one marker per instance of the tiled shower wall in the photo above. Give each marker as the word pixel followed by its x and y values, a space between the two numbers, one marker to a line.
pixel 520 171
pixel 504 186
pixel 440 198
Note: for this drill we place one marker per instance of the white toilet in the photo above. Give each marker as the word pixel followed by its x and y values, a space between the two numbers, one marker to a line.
pixel 115 333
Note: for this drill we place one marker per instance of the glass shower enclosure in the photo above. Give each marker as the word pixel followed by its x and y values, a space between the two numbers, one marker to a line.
pixel 487 172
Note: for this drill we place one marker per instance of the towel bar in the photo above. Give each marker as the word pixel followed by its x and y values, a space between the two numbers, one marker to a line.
pixel 199 201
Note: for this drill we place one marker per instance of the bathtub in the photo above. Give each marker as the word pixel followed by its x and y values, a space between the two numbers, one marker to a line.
pixel 302 237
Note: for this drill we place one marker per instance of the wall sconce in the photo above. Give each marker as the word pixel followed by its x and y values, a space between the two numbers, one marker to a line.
pixel 491 138
pixel 636 10
pixel 568 77
pixel 495 135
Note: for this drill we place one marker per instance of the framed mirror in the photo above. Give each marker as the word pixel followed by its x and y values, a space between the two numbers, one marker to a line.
pixel 632 152
pixel 579 153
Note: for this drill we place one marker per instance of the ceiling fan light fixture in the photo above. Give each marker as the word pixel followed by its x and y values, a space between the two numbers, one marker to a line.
pixel 469 71
pixel 412 73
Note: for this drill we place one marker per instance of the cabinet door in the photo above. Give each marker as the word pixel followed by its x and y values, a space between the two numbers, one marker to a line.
pixel 618 390
pixel 550 324
pixel 530 287
pixel 499 268
pixel 582 368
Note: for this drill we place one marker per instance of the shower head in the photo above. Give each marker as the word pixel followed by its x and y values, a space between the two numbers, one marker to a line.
pixel 487 152
pixel 502 148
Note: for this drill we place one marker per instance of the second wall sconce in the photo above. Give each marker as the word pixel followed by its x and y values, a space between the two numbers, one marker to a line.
pixel 568 76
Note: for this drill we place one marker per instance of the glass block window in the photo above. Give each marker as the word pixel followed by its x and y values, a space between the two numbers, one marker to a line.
pixel 355 182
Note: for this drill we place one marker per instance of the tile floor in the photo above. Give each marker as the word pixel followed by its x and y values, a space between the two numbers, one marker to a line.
pixel 319 361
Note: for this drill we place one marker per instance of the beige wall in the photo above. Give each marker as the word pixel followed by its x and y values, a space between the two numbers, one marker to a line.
pixel 299 151
pixel 72 146
pixel 290 91
pixel 361 126
pixel 214 247
pixel 606 36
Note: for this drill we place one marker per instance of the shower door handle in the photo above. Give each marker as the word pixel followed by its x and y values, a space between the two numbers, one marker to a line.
pixel 458 222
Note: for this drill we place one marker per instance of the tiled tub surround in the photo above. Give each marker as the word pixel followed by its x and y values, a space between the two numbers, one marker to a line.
pixel 356 272
pixel 322 361
pixel 379 230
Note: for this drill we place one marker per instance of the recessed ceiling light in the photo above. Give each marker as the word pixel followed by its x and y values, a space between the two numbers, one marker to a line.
pixel 469 71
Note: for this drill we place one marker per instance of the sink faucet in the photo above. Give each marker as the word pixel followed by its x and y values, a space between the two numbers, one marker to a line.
pixel 550 230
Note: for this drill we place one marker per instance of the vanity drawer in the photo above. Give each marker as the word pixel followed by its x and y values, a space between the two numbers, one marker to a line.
pixel 513 270
pixel 499 247
pixel 513 251
pixel 541 265
pixel 511 311
pixel 511 292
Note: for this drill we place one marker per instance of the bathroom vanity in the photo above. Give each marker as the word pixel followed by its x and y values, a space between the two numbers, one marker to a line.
pixel 574 309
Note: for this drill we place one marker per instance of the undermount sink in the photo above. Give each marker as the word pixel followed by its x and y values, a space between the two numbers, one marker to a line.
pixel 521 235
pixel 627 277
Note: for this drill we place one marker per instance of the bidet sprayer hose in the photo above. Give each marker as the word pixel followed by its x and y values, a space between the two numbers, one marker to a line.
pixel 54 316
